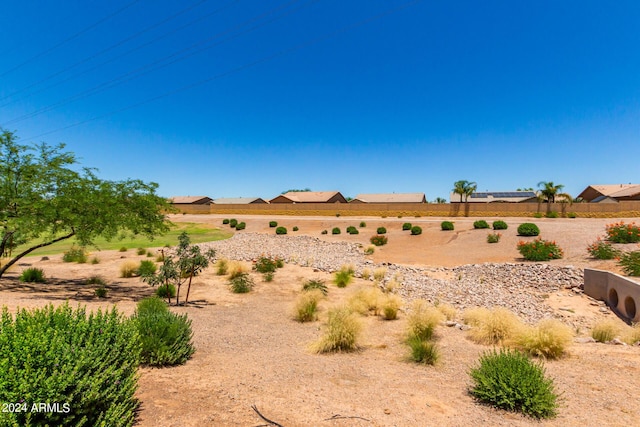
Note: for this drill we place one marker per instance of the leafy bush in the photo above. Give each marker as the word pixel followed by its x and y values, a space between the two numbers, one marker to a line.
pixel 363 224
pixel 146 268
pixel 273 224
pixel 381 230
pixel 620 232
pixel 352 230
pixel 552 214
pixel 225 221
pixel 528 229
pixel 492 327
pixel 265 265
pixel 141 251
pixel 342 332
pixel 166 336
pixel 313 284
pixel 406 226
pixel 149 254
pixel 423 351
pixel 602 250
pixel 32 275
pixel 241 283
pixel 267 277
pixel 493 237
pixel 509 380
pixel 416 230
pixel 630 263
pixel 572 215
pixel 306 306
pixel 122 249
pixel 342 278
pixel 538 215
pixel 96 280
pixel 335 230
pixel 86 363
pixel 480 224
pixel 324 232
pixel 233 223
pixel 500 225
pixel 540 250
pixel 422 320
pixel 295 228
pixel 378 240
pixel 128 269
pixel 75 255
pixel 549 339
pixel 369 250
pixel 279 262
pixel 241 225
pixel 446 225
pixel 101 292
pixel 281 230
pixel 605 330
pixel 166 291
pixel 95 260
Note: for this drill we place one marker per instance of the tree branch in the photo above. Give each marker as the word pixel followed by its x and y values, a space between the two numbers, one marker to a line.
pixel 273 423
pixel 33 248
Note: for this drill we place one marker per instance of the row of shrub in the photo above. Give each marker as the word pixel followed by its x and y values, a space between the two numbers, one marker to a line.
pixel 233 223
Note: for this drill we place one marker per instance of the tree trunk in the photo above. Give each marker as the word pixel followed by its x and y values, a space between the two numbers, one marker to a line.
pixel 31 249
pixel 186 299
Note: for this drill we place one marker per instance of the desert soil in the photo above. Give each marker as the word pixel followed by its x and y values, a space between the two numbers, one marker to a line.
pixel 251 352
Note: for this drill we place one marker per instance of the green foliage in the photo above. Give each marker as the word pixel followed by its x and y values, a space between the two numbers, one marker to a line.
pixel 295 228
pixel 75 255
pixel 352 230
pixel 630 263
pixel 552 214
pixel 406 226
pixel 538 215
pixel 500 225
pixel 141 251
pixel 273 224
pixel 222 267
pixel 281 230
pixel 446 225
pixel 324 232
pixel 540 250
pixel 493 237
pixel 315 284
pixel 509 380
pixel 101 292
pixel 342 278
pixel 416 230
pixel 95 260
pixel 241 225
pixel 165 336
pixel 33 275
pixel 267 277
pixel 381 230
pixel 480 224
pixel 528 229
pixel 233 222
pixel 572 215
pixel 279 262
pixel 378 240
pixel 335 230
pixel 86 362
pixel 423 351
pixel 122 249
pixel 464 188
pixel 96 280
pixel 265 265
pixel 363 224
pixel 146 268
pixel 225 221
pixel 166 291
pixel 620 232
pixel 602 250
pixel 241 283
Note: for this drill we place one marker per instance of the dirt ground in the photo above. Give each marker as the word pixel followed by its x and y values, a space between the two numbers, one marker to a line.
pixel 251 352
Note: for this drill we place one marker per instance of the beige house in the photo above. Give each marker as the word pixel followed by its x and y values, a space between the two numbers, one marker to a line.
pixel 239 201
pixel 611 193
pixel 310 197
pixel 390 198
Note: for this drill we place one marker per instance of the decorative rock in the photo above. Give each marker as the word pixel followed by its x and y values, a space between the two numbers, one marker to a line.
pixel 584 340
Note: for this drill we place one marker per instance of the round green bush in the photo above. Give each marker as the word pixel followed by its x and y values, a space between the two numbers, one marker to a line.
pixel 406 226
pixel 500 225
pixel 363 224
pixel 33 275
pixel 480 224
pixel 166 291
pixel 381 230
pixel 273 224
pixel 378 240
pixel 352 230
pixel 233 223
pixel 281 230
pixel 510 380
pixel 446 225
pixel 241 226
pixel 415 230
pixel 335 230
pixel 295 228
pixel 225 221
pixel 528 229
pixel 146 268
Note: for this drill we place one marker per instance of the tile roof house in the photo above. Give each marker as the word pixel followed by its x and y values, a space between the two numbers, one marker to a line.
pixel 310 197
pixel 497 197
pixel 610 193
pixel 191 200
pixel 238 200
pixel 390 198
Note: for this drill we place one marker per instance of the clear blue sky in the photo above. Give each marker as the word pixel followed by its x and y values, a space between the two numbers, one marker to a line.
pixel 257 97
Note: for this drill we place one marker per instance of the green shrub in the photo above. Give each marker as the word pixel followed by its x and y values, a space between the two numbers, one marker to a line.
pixel 32 275
pixel 509 380
pixel 351 229
pixel 241 283
pixel 75 255
pixel 342 278
pixel 273 224
pixel 337 214
pixel 146 268
pixel 281 230
pixel 528 229
pixel 572 215
pixel 540 250
pixel 363 224
pixel 166 291
pixel 381 230
pixel 423 351
pixel 265 265
pixel 149 254
pixel 306 306
pixel 295 228
pixel 602 250
pixel 446 225
pixel 378 240
pixel 315 284
pixel 369 250
pixel 324 232
pixel 241 225
pixel 342 332
pixel 101 292
pixel 225 221
pixel 493 237
pixel 86 363
pixel 406 226
pixel 233 222
pixel 96 280
pixel 279 262
pixel 538 215
pixel 335 230
pixel 354 231
pixel 267 277
pixel 141 251
pixel 552 214
pixel 95 260
pixel 416 230
pixel 122 249
pixel 166 336
pixel 620 232
pixel 480 224
pixel 500 225
pixel 630 263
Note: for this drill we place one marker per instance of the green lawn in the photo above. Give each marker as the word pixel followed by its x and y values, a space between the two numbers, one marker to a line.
pixel 197 232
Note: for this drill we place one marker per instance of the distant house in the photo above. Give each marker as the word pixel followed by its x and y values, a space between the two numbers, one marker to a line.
pixel 497 197
pixel 191 200
pixel 310 197
pixel 239 201
pixel 612 193
pixel 390 198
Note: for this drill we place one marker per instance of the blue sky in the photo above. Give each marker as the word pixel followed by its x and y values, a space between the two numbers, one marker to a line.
pixel 256 97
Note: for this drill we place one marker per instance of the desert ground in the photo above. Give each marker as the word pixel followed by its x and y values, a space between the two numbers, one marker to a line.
pixel 249 350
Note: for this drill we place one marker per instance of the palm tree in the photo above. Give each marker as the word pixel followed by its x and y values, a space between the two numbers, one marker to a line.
pixel 464 188
pixel 550 192
pixel 440 200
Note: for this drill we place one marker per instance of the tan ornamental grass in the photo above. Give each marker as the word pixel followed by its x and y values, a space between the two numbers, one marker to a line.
pixel 341 332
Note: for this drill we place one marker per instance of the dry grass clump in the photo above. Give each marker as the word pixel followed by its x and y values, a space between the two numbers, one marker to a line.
pixel 605 330
pixel 390 306
pixel 366 274
pixel 306 305
pixel 448 311
pixel 128 269
pixel 379 273
pixel 236 269
pixel 391 286
pixel 549 339
pixel 342 332
pixel 492 327
pixel 222 267
pixel 632 335
pixel 367 301
pixel 422 320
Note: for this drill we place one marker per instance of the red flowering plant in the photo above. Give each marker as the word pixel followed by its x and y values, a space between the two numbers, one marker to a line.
pixel 540 250
pixel 602 250
pixel 619 232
